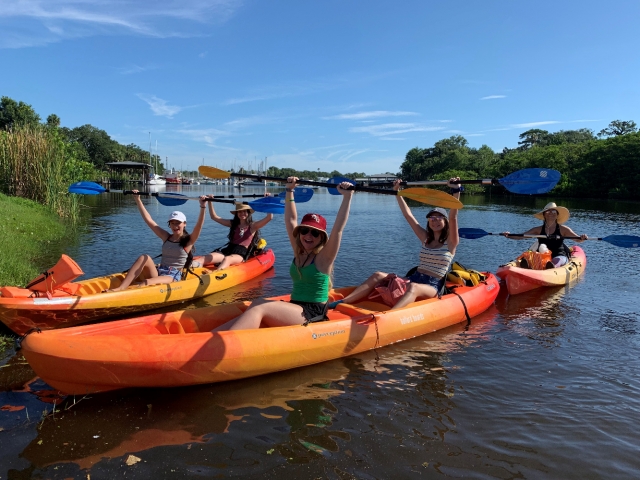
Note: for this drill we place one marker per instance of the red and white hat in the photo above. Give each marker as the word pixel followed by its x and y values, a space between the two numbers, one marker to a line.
pixel 312 220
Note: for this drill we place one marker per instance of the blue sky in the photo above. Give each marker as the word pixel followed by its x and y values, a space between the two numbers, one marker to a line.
pixel 345 85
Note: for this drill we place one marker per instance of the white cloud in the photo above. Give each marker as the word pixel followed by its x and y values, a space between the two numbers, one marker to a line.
pixel 38 22
pixel 368 115
pixel 393 129
pixel 159 106
pixel 492 97
pixel 207 135
pixel 133 68
pixel 534 124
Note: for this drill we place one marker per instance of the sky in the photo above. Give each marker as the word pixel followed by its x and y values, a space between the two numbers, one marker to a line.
pixel 331 85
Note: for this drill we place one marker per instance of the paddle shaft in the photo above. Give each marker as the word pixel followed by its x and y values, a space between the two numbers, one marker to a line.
pixel 314 183
pixel 552 237
pixel 215 198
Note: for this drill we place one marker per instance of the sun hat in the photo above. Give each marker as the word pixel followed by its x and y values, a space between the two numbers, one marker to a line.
pixel 177 216
pixel 439 210
pixel 563 213
pixel 312 220
pixel 242 206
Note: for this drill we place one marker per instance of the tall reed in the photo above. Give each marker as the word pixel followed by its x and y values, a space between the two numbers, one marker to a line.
pixel 36 163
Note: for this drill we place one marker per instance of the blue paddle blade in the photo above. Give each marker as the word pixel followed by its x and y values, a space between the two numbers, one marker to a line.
pixel 86 188
pixel 626 241
pixel 267 207
pixel 472 233
pixel 531 180
pixel 170 199
pixel 338 181
pixel 301 194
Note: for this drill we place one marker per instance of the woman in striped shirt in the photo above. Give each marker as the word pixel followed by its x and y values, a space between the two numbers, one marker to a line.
pixel 439 241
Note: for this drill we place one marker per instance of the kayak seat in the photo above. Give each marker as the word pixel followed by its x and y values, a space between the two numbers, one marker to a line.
pixel 181 326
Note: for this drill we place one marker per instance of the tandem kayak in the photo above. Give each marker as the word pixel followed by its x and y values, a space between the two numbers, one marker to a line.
pixel 25 309
pixel 520 280
pixel 178 348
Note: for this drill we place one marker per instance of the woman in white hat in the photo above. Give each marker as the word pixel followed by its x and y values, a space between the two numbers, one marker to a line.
pixel 553 228
pixel 176 246
pixel 439 239
pixel 243 233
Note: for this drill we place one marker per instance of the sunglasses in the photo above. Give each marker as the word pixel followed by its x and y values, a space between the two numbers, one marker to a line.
pixel 304 230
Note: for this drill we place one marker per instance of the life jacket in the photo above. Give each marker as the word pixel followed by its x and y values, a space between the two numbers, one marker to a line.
pixel 461 275
pixel 535 260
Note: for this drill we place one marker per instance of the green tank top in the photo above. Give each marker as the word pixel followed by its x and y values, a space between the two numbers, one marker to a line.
pixel 309 285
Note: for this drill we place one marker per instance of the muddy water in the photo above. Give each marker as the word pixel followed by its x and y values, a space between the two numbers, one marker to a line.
pixel 542 385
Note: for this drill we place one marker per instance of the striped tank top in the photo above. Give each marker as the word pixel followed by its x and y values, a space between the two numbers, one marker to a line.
pixel 435 261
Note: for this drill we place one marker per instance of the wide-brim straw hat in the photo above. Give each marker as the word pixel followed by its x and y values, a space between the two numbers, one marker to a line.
pixel 563 213
pixel 242 206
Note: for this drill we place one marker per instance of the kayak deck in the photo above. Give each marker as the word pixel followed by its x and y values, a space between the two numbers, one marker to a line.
pixel 178 348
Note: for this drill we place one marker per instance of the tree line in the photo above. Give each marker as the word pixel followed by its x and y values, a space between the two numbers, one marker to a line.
pixel 602 165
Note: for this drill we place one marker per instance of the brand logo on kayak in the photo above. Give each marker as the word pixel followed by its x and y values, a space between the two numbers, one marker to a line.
pixel 411 318
pixel 327 334
pixel 490 287
pixel 169 289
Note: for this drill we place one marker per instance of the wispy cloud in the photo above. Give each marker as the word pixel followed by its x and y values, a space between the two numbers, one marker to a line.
pixel 393 129
pixel 493 97
pixel 210 136
pixel 133 69
pixel 38 22
pixel 159 106
pixel 369 115
pixel 534 124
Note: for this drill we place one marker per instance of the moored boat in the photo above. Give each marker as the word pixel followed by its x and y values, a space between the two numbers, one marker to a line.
pixel 179 349
pixel 521 280
pixel 23 309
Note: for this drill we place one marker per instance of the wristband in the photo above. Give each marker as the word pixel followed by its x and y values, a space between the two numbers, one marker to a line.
pixel 291 200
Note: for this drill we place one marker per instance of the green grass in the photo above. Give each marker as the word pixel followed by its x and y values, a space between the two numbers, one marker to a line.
pixel 28 232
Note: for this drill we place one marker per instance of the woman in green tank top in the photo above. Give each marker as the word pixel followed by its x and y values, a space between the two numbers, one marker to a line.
pixel 314 253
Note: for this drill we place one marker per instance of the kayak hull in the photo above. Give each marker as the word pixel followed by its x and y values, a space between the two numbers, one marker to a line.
pixel 520 280
pixel 89 303
pixel 178 349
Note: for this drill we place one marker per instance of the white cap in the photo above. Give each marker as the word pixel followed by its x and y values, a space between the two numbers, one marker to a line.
pixel 177 216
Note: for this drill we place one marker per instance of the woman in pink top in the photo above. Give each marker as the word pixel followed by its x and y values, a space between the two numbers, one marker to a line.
pixel 242 232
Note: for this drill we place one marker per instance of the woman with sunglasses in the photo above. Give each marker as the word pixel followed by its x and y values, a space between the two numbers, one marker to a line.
pixel 439 240
pixel 553 217
pixel 243 233
pixel 314 252
pixel 176 245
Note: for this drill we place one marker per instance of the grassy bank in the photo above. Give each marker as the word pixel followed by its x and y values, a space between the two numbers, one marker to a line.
pixel 27 230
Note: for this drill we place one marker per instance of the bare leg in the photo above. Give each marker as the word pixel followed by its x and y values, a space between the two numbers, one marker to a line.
pixel 414 291
pixel 229 260
pixel 363 291
pixel 142 268
pixel 271 313
pixel 209 259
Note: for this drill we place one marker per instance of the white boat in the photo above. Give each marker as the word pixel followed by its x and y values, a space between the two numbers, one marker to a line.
pixel 155 179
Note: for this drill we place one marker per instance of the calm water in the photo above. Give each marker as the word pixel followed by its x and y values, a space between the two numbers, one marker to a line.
pixel 543 385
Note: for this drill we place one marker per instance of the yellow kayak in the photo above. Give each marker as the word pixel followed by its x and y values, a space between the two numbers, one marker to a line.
pixel 22 310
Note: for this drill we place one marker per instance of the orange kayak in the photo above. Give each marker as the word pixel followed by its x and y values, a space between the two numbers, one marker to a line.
pixel 178 348
pixel 520 280
pixel 22 309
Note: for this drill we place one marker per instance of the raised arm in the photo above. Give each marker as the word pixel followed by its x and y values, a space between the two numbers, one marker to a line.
pixel 197 229
pixel 215 217
pixel 454 239
pixel 159 231
pixel 420 231
pixel 290 212
pixel 328 254
pixel 255 226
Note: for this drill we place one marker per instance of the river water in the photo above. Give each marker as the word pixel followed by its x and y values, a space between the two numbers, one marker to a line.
pixel 543 385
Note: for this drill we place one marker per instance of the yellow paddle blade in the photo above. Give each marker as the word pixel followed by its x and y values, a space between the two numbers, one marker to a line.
pixel 436 198
pixel 213 172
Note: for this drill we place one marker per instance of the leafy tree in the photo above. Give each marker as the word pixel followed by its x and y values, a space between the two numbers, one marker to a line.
pixel 53 121
pixel 16 114
pixel 617 128
pixel 532 137
pixel 98 144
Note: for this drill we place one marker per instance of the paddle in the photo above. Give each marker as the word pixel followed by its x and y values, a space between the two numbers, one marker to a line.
pixel 263 204
pixel 526 181
pixel 431 197
pixel 625 241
